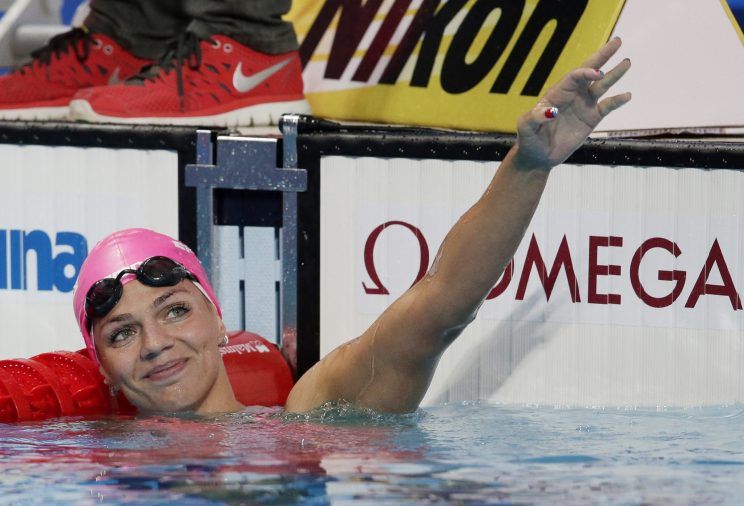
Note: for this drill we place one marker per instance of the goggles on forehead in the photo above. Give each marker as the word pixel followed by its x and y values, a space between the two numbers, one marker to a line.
pixel 155 271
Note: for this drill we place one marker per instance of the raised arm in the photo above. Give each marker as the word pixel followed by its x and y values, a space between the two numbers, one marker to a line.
pixel 390 365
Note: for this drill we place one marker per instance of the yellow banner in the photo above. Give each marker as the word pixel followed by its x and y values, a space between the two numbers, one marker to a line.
pixel 465 64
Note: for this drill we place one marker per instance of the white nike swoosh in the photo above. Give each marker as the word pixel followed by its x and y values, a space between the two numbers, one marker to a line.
pixel 244 83
pixel 114 78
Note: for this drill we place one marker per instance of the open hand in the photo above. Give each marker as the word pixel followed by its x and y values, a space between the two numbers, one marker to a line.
pixel 563 119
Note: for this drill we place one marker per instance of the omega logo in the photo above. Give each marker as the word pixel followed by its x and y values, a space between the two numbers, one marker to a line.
pixel 548 274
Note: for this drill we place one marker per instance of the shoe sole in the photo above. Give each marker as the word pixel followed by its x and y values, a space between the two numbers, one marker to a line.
pixel 256 115
pixel 35 114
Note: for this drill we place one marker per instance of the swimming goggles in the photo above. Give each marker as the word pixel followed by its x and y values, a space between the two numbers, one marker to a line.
pixel 155 271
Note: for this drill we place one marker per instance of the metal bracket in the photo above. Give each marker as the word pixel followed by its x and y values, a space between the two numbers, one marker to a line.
pixel 241 163
pixel 204 202
pixel 288 245
pixel 245 163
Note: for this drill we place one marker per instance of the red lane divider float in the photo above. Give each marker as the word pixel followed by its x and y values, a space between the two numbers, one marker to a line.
pixel 63 383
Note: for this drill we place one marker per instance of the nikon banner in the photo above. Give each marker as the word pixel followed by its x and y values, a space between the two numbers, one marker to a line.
pixel 469 64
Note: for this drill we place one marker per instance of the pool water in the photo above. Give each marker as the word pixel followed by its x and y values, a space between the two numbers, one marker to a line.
pixel 455 454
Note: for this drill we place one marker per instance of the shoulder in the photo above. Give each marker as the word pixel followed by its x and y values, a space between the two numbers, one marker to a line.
pixel 328 380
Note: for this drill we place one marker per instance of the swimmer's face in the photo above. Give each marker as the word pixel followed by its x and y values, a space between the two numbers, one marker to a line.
pixel 159 345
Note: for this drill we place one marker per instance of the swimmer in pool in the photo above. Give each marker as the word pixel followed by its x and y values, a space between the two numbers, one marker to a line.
pixel 157 339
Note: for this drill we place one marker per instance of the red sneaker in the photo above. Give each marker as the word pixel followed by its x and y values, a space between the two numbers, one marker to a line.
pixel 43 88
pixel 210 82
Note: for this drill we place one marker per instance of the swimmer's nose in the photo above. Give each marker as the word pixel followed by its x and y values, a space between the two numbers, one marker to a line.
pixel 154 342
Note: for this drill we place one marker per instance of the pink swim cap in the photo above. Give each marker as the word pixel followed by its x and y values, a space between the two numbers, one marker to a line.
pixel 127 249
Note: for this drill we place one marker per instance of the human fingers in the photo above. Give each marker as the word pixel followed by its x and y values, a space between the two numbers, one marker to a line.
pixel 530 122
pixel 581 78
pixel 602 56
pixel 600 87
pixel 609 104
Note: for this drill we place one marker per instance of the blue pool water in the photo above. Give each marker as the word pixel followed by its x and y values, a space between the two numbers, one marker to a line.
pixel 461 454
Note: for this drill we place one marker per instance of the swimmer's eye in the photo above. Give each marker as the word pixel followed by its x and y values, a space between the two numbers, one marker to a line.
pixel 176 311
pixel 121 335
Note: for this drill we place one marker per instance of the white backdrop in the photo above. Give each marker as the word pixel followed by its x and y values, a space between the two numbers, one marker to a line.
pixel 75 196
pixel 687 67
pixel 631 332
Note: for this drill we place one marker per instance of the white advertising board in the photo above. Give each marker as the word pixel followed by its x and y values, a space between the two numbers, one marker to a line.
pixel 688 68
pixel 55 204
pixel 639 300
